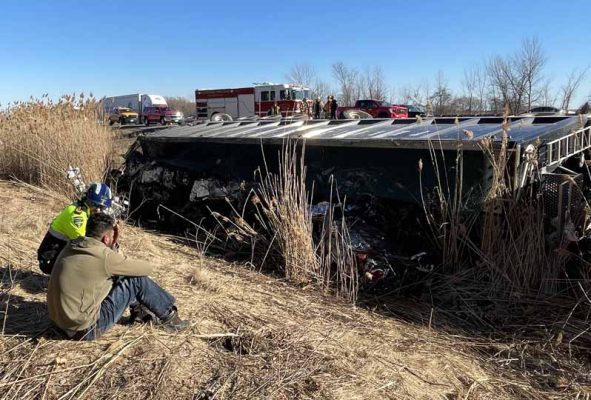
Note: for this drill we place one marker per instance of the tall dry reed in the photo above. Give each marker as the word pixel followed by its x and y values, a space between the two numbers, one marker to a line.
pixel 288 215
pixel 40 138
pixel 282 232
pixel 503 243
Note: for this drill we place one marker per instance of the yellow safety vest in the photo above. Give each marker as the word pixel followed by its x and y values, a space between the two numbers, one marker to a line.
pixel 70 224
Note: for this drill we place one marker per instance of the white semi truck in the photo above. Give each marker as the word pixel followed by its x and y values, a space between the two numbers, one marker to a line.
pixel 137 102
pixel 151 108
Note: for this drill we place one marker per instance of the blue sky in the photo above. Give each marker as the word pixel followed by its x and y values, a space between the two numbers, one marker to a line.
pixel 173 47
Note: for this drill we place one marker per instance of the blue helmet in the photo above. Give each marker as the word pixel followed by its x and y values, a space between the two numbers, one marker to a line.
pixel 99 195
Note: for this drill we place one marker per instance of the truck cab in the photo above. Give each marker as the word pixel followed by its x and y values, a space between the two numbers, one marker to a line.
pixel 288 97
pixel 122 116
pixel 162 115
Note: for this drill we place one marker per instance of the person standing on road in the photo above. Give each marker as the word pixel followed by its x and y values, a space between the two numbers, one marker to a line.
pixel 70 224
pixel 274 110
pixel 317 108
pixel 326 107
pixel 92 285
pixel 333 108
pixel 304 107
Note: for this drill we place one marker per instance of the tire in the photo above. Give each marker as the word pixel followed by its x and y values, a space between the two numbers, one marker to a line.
pixel 218 117
pixel 111 122
pixel 162 121
pixel 356 114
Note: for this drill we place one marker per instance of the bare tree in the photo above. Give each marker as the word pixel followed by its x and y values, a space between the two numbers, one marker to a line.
pixel 347 79
pixel 469 84
pixel 392 93
pixel 442 96
pixel 321 89
pixel 531 60
pixel 415 94
pixel 376 84
pixel 361 86
pixel 569 89
pixel 547 96
pixel 474 86
pixel 516 78
pixel 481 84
pixel 404 95
pixel 182 104
pixel 302 74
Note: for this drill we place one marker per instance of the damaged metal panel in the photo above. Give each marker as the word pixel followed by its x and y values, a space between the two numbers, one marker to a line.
pixel 404 133
pixel 376 171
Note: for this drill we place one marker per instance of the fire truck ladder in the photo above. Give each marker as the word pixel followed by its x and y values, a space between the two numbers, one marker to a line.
pixel 567 146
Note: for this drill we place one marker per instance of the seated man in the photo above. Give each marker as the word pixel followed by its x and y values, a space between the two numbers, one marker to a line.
pixel 92 285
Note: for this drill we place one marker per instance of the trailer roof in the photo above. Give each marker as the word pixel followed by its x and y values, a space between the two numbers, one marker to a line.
pixel 397 133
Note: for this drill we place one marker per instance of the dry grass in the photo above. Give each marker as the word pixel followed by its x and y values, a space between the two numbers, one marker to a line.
pixel 289 343
pixel 505 237
pixel 39 139
pixel 286 208
pixel 502 275
pixel 281 228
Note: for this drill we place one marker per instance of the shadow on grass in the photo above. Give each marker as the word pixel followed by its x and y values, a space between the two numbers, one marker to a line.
pixel 24 317
pixel 21 316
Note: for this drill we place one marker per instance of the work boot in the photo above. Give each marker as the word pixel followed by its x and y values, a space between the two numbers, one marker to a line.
pixel 174 324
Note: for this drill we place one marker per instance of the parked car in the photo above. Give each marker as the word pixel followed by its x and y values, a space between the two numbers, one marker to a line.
pixel 122 116
pixel 415 111
pixel 377 109
pixel 542 111
pixel 162 115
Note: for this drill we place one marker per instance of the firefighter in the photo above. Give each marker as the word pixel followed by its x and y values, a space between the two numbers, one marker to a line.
pixel 326 107
pixel 317 107
pixel 305 108
pixel 333 108
pixel 274 110
pixel 70 224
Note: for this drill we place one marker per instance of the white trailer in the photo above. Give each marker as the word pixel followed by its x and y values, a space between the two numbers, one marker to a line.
pixel 137 102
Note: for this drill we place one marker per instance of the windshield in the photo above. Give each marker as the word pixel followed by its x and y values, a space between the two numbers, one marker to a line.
pixel 385 104
pixel 300 94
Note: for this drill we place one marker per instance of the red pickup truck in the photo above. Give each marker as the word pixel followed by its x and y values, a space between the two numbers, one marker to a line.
pixel 377 109
pixel 161 114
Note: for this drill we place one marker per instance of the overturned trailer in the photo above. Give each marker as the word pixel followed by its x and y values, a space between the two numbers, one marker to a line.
pixel 193 169
pixel 372 156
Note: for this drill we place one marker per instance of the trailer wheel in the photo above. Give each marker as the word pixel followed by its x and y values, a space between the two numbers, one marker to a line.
pixel 217 117
pixel 356 114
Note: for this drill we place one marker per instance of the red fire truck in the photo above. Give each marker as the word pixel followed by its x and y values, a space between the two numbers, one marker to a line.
pixel 250 101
